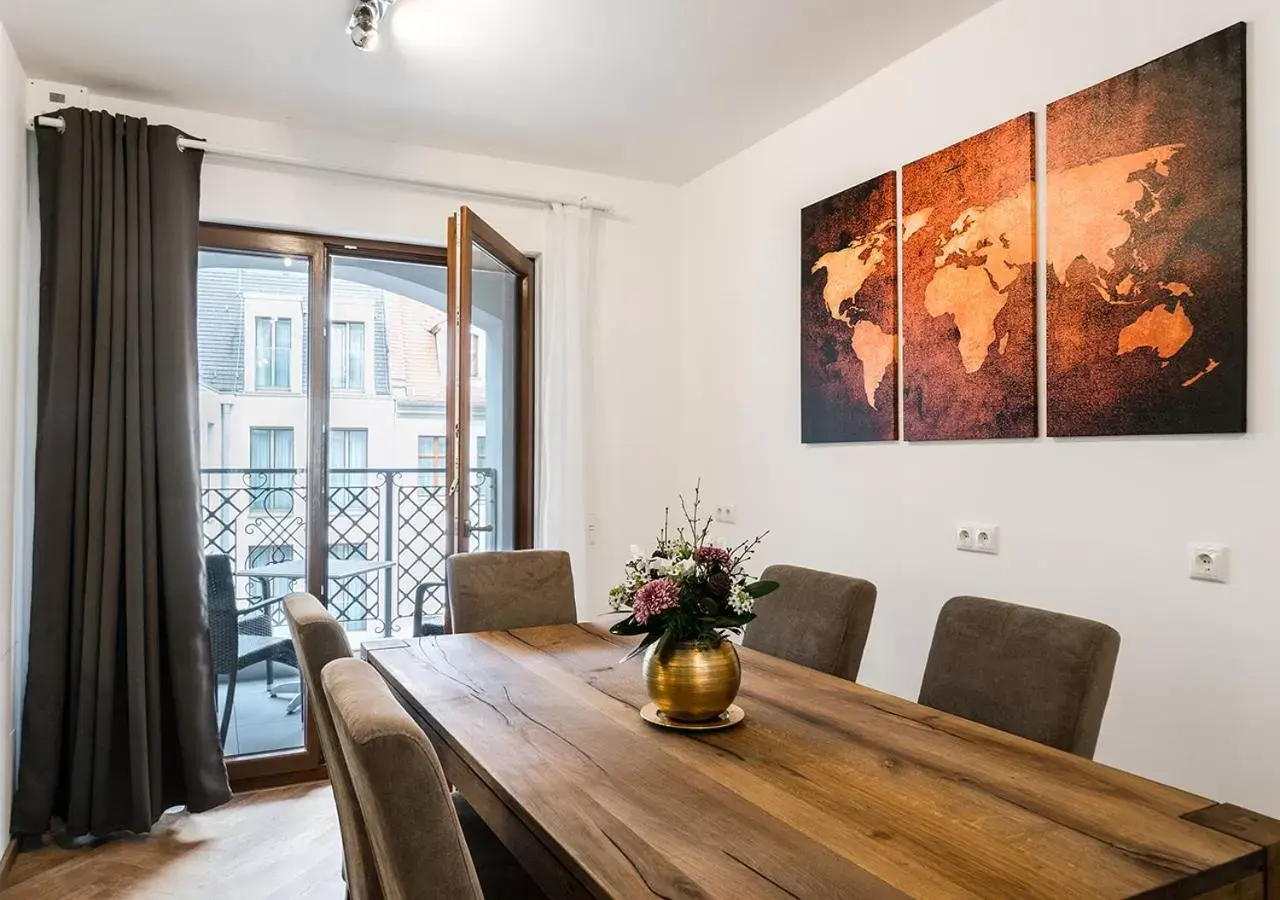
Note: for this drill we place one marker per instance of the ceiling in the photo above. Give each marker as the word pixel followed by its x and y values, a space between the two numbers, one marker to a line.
pixel 654 89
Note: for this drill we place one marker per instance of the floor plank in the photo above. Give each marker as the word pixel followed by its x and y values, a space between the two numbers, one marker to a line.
pixel 277 844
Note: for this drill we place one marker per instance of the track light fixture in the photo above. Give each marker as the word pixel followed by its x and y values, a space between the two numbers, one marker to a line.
pixel 365 19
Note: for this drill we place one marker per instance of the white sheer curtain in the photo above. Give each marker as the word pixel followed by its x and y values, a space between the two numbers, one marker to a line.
pixel 564 327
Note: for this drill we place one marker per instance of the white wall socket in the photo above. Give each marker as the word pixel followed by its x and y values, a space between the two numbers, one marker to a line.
pixel 1209 562
pixel 726 513
pixel 976 538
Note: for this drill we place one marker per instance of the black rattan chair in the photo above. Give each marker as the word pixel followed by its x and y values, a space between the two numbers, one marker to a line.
pixel 422 626
pixel 239 638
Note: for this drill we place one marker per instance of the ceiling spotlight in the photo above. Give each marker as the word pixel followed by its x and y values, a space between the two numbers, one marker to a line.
pixel 366 18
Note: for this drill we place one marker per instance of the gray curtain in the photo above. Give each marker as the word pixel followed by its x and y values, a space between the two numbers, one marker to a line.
pixel 119 721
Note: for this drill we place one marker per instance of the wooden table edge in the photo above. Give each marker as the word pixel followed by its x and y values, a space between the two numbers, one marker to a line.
pixel 1246 825
pixel 553 868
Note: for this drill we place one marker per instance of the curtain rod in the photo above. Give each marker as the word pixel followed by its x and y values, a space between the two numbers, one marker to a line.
pixel 186 143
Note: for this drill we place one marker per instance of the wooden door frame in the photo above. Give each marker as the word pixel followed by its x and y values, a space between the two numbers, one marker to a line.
pixel 306 763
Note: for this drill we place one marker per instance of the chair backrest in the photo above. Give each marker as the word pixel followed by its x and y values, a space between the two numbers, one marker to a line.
pixel 816 619
pixel 505 589
pixel 318 640
pixel 220 598
pixel 1042 675
pixel 405 798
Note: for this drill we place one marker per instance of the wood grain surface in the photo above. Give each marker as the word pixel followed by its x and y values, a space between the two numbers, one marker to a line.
pixel 828 790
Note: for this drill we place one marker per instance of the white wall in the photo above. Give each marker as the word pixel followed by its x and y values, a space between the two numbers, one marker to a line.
pixel 634 362
pixel 1098 528
pixel 13 202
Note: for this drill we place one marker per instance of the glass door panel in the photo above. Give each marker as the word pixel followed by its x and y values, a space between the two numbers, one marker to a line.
pixel 491 446
pixel 494 367
pixel 387 343
pixel 251 338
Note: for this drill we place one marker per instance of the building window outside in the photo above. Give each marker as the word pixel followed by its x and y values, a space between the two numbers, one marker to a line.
pixel 431 456
pixel 273 352
pixel 348 449
pixel 346 356
pixel 271 448
pixel 475 355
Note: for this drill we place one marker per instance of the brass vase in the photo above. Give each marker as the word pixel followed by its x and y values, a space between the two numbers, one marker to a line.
pixel 694 681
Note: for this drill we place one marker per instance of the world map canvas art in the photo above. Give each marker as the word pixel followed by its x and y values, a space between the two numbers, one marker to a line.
pixel 1146 248
pixel 969 288
pixel 849 315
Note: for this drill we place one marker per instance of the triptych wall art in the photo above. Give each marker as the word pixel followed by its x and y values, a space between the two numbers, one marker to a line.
pixel 1145 272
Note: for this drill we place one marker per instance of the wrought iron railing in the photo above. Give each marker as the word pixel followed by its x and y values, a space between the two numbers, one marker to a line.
pixel 258 517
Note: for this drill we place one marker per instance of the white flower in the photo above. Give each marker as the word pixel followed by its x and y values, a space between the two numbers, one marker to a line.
pixel 684 566
pixel 740 601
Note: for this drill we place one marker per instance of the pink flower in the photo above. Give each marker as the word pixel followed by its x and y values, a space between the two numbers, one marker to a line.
pixel 656 597
pixel 717 555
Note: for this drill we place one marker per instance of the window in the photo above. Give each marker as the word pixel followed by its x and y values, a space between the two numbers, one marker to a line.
pixel 271 458
pixel 274 352
pixel 431 458
pixel 475 355
pixel 346 356
pixel 348 449
pixel 480 454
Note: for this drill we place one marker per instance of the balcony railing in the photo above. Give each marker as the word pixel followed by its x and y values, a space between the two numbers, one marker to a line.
pixel 258 517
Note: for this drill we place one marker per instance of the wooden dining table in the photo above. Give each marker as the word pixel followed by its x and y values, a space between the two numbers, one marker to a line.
pixel 828 789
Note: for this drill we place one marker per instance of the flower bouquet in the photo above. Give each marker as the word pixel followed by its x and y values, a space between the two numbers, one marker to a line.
pixel 685 597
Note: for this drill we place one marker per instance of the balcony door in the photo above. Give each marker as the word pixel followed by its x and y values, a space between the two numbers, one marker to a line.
pixel 366 411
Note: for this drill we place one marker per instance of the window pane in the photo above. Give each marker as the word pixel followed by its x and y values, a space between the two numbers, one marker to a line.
pixel 259 458
pixel 254 517
pixel 263 354
pixel 355 356
pixel 284 352
pixel 336 357
pixel 494 402
pixel 357 449
pixel 389 393
pixel 282 458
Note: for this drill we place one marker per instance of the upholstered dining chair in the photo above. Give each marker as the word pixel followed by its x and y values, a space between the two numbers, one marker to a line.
pixel 404 796
pixel 1038 674
pixel 319 639
pixel 816 619
pixel 499 590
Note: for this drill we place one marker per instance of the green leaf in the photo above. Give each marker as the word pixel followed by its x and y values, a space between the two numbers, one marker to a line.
pixel 643 645
pixel 759 589
pixel 628 626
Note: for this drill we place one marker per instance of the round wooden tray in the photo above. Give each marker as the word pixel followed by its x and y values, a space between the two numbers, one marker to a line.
pixel 730 717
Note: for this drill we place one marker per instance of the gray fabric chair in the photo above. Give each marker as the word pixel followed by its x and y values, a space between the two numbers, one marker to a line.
pixel 319 640
pixel 1042 675
pixel 816 619
pixel 505 589
pixel 404 796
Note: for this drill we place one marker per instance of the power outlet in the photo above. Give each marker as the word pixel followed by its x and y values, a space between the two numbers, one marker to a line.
pixel 975 538
pixel 726 514
pixel 1209 562
pixel 986 539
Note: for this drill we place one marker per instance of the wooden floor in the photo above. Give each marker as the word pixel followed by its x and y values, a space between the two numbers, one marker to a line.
pixel 268 845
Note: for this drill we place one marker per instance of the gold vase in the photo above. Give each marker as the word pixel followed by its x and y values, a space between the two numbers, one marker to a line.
pixel 694 682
